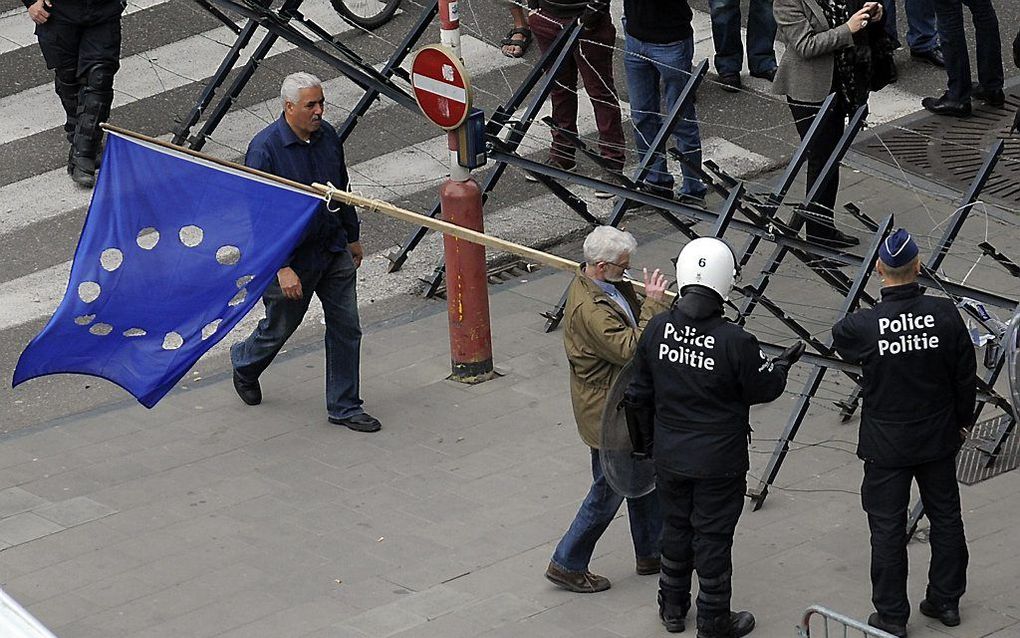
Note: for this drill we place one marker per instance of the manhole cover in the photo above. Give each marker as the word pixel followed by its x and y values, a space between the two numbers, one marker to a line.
pixel 950 150
pixel 972 463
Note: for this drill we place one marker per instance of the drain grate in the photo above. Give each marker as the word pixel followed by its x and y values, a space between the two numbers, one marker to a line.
pixel 499 274
pixel 950 150
pixel 972 464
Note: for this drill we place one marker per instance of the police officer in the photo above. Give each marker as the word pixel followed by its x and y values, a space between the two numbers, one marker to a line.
pixel 919 392
pixel 700 373
pixel 80 41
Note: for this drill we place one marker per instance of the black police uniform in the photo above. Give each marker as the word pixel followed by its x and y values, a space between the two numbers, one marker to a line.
pixel 81 43
pixel 702 373
pixel 919 391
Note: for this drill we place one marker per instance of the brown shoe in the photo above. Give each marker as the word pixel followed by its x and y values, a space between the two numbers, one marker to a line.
pixel 647 566
pixel 578 582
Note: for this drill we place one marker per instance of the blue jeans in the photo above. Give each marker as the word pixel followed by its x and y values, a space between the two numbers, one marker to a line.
pixel 336 287
pixel 921 29
pixel 954 46
pixel 598 509
pixel 761 36
pixel 649 65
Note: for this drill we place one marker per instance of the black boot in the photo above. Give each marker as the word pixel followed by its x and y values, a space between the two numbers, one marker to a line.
pixel 736 625
pixel 673 617
pixel 93 109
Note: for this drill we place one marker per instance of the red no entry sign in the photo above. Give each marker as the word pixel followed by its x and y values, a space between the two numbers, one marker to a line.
pixel 441 86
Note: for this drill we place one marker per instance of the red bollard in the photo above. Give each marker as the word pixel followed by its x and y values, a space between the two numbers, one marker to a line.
pixel 467 290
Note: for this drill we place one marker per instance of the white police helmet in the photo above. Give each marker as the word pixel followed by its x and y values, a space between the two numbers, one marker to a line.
pixel 709 262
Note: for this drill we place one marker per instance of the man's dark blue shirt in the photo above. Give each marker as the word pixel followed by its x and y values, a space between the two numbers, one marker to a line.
pixel 278 150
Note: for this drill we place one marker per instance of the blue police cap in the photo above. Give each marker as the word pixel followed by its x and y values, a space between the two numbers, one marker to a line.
pixel 898 249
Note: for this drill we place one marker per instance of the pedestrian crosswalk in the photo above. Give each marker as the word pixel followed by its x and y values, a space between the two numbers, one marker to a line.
pixel 394 154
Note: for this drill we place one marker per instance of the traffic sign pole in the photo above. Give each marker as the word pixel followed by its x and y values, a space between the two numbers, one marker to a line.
pixel 443 91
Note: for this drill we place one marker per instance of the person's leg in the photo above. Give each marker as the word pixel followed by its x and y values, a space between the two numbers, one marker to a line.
pixel 889 7
pixel 717 506
pixel 940 495
pixel 676 71
pixel 338 292
pixel 988 44
pixel 573 553
pixel 645 105
pixel 645 517
pixel 675 501
pixel 761 38
pixel 819 224
pixel 921 26
pixel 520 21
pixel 729 50
pixel 949 15
pixel 98 62
pixel 564 92
pixel 252 356
pixel 885 495
pixel 59 41
pixel 594 57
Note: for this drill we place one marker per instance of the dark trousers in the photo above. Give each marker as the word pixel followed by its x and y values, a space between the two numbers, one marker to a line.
pixel 885 495
pixel 954 45
pixel 699 517
pixel 761 36
pixel 77 37
pixel 820 223
pixel 593 59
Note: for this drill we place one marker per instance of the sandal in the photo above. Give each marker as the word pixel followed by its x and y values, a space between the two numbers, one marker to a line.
pixel 522 45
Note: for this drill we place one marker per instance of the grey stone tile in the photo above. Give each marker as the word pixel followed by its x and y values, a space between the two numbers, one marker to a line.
pixel 15 500
pixel 385 621
pixel 62 610
pixel 25 527
pixel 74 511
pixel 299 620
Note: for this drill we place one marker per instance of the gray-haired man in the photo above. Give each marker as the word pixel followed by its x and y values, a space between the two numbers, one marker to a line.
pixel 301 146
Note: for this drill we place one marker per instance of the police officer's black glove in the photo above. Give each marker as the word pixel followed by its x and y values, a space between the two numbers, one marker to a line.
pixel 789 356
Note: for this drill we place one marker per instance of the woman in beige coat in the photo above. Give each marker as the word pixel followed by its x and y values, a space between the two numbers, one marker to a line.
pixel 823 38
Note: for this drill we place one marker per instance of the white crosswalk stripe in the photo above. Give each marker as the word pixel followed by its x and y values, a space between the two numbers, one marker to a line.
pixel 407 171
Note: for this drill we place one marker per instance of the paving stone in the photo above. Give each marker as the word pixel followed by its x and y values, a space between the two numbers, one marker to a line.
pixel 385 621
pixel 15 500
pixel 62 610
pixel 74 511
pixel 25 527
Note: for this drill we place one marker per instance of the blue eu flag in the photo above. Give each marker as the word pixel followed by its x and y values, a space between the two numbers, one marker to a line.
pixel 174 252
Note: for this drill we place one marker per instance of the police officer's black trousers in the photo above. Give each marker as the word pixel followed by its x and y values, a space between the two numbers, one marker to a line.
pixel 699 519
pixel 885 495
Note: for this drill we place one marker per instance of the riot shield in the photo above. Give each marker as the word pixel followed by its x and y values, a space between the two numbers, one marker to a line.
pixel 630 477
pixel 1011 341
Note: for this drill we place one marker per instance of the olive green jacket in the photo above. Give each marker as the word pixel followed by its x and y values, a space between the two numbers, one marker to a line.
pixel 599 341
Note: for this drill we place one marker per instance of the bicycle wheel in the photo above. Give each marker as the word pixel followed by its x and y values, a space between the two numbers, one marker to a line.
pixel 367 14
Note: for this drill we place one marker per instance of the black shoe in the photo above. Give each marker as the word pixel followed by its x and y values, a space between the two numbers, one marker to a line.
pixel 250 393
pixel 839 239
pixel 948 615
pixel 359 422
pixel 737 625
pixel 931 56
pixel 945 106
pixel 730 82
pixel 876 621
pixel 769 75
pixel 673 618
pixel 991 98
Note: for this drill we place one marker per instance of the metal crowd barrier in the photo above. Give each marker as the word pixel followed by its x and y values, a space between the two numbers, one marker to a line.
pixel 837 621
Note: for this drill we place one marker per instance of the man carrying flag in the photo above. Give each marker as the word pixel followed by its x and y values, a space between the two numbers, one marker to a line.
pixel 302 147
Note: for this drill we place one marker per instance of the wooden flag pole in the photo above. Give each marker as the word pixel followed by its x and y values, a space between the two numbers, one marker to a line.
pixel 329 193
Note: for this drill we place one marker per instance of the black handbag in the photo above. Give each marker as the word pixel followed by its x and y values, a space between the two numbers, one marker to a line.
pixel 883 66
